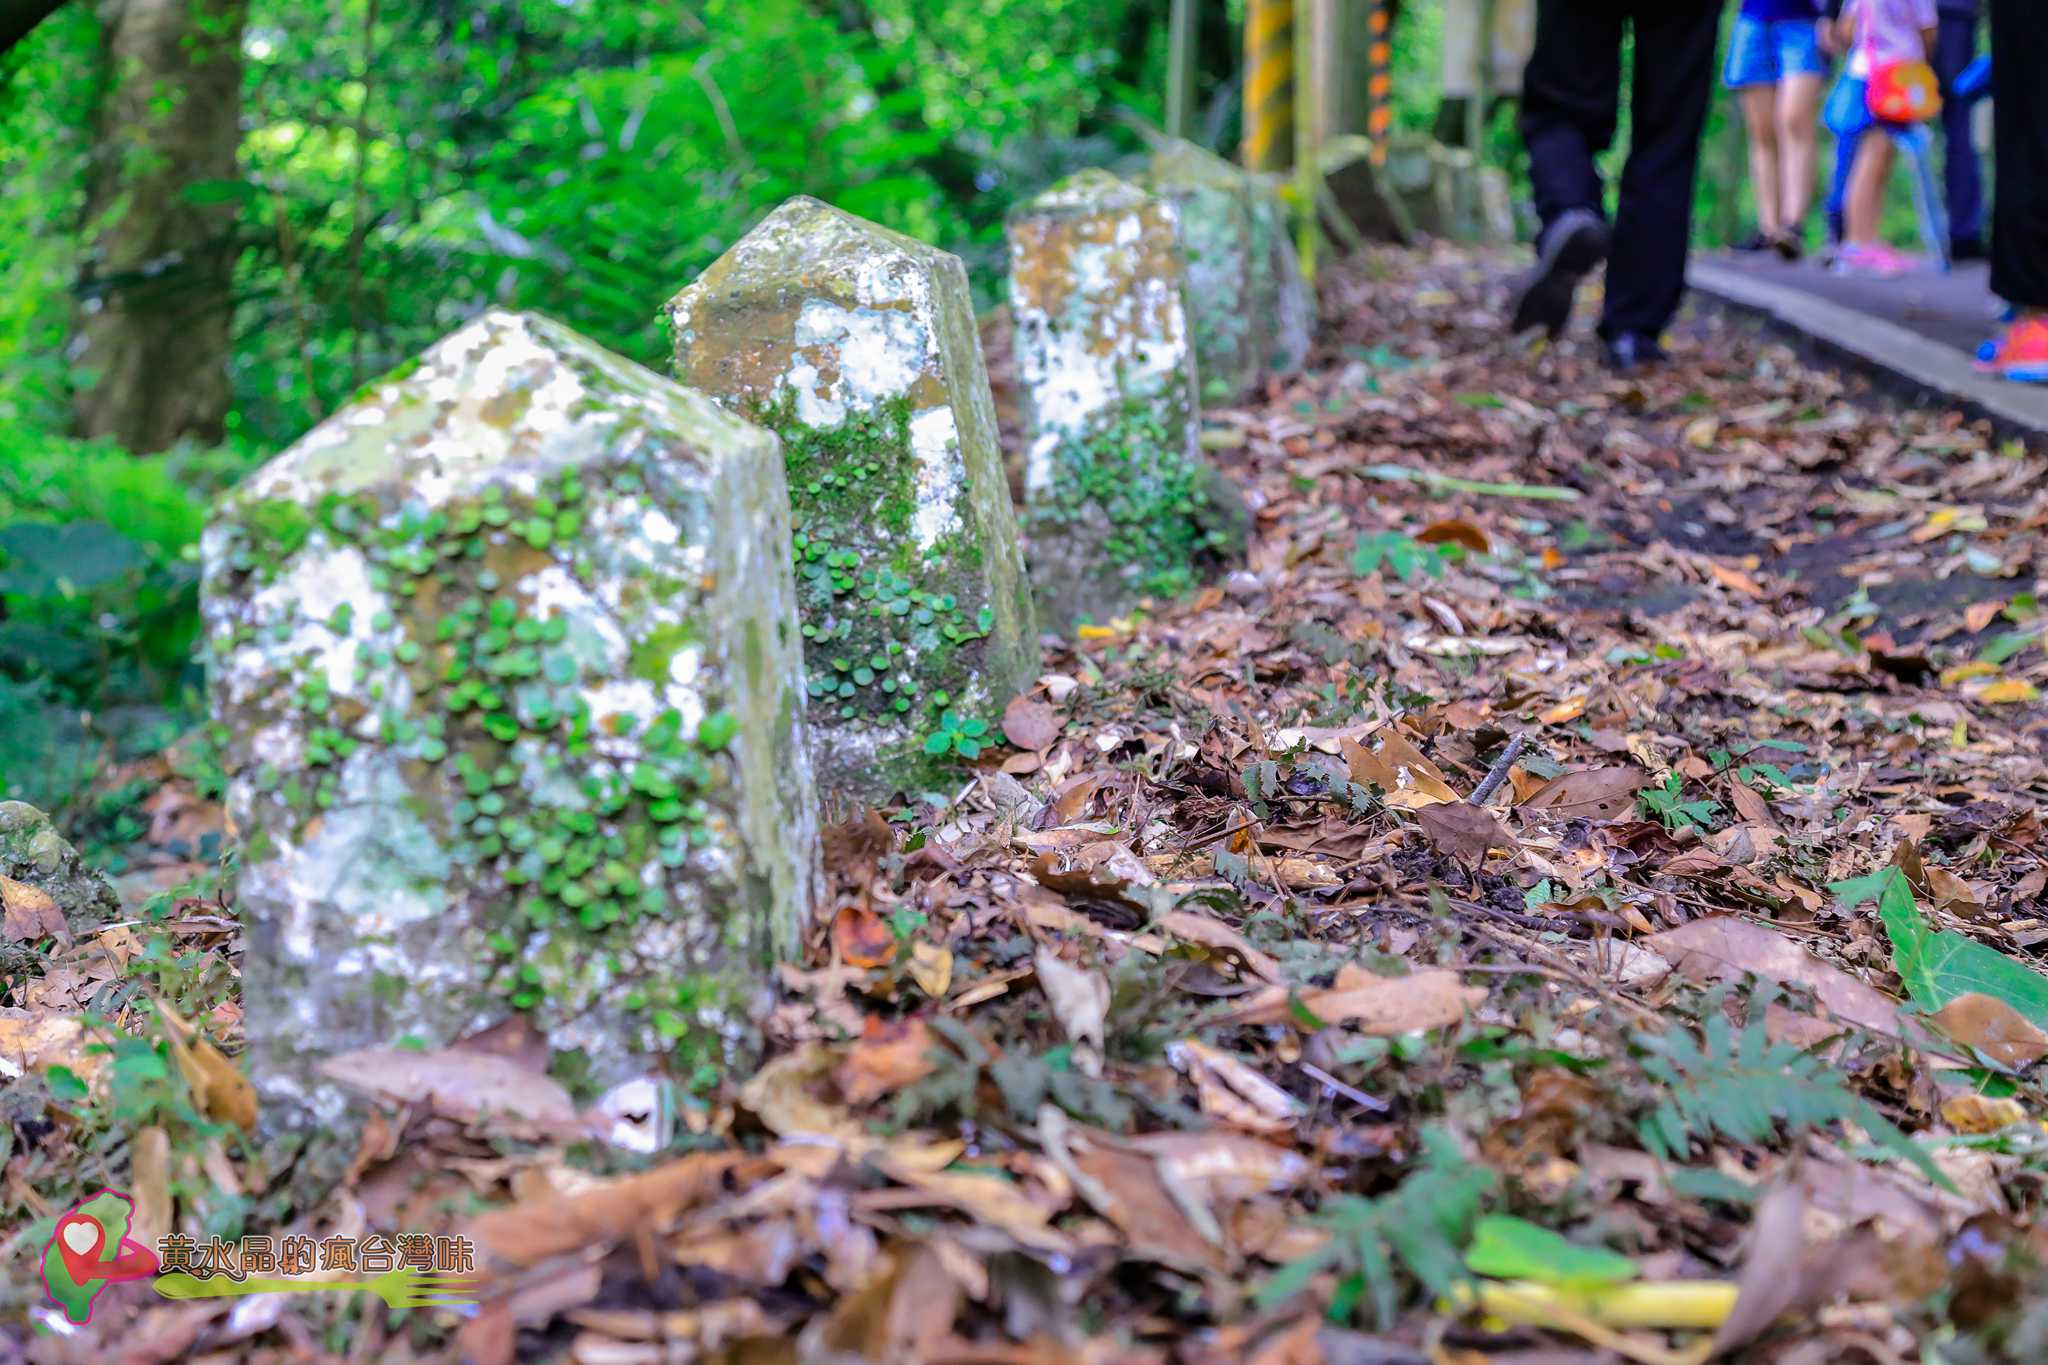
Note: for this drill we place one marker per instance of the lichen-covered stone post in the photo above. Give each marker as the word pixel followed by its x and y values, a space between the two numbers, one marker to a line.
pixel 1281 297
pixel 506 651
pixel 35 858
pixel 857 346
pixel 1118 500
pixel 1209 195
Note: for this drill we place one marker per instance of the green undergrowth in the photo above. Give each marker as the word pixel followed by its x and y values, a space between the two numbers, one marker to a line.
pixel 1165 524
pixel 98 609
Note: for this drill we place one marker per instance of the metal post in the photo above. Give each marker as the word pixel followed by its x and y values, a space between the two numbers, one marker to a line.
pixel 1478 116
pixel 1182 35
pixel 1270 122
pixel 1308 180
pixel 1379 118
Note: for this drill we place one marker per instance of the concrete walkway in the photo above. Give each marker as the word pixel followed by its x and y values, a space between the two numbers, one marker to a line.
pixel 1918 332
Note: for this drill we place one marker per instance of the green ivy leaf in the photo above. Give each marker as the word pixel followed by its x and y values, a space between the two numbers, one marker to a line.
pixel 1509 1248
pixel 65 1086
pixel 717 731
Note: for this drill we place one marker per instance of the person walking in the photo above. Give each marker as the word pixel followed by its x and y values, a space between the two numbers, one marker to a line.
pixel 1777 70
pixel 1955 47
pixel 1887 86
pixel 2019 206
pixel 1571 97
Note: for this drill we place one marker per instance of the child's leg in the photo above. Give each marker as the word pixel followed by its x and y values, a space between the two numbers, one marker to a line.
pixel 1760 117
pixel 1867 181
pixel 1846 116
pixel 1798 145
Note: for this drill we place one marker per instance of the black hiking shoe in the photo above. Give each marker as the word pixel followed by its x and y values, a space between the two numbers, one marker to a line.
pixel 1576 243
pixel 1632 352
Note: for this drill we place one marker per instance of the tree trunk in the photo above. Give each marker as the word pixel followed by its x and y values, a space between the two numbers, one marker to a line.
pixel 156 287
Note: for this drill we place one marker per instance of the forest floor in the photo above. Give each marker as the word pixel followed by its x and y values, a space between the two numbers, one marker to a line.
pixel 1233 1012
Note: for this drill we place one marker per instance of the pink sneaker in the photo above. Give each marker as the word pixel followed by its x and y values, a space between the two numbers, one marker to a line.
pixel 1873 258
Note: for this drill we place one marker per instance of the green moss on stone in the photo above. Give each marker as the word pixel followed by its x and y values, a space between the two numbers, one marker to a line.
pixel 883 622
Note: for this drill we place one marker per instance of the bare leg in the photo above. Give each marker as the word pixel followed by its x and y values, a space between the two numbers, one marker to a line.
pixel 1867 181
pixel 1759 116
pixel 1799 100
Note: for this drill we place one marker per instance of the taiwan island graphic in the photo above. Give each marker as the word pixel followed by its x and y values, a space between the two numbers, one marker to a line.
pixel 90 1250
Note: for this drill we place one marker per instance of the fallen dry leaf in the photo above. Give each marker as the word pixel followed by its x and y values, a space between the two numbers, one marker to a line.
pixel 886 1057
pixel 931 967
pixel 27 913
pixel 1456 532
pixel 1191 926
pixel 1232 1092
pixel 1590 793
pixel 1383 1005
pixel 782 1095
pixel 1723 946
pixel 531 1232
pixel 1463 830
pixel 1079 999
pixel 219 1089
pixel 37 1040
pixel 1030 724
pixel 862 937
pixel 1981 1113
pixel 469 1087
pixel 1398 769
pixel 1994 1028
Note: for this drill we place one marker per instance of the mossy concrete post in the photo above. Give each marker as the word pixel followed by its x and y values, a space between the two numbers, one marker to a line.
pixel 1117 496
pixel 1211 198
pixel 35 856
pixel 506 653
pixel 858 347
pixel 1282 301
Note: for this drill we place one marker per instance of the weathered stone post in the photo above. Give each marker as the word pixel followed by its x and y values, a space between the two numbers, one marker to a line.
pixel 1281 297
pixel 507 654
pixel 1209 196
pixel 856 345
pixel 1118 500
pixel 1252 309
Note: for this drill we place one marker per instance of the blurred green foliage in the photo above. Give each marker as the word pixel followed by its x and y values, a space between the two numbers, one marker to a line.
pixel 405 165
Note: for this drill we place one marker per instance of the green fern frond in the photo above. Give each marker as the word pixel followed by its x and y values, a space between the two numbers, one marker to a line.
pixel 1745 1087
pixel 1421 1225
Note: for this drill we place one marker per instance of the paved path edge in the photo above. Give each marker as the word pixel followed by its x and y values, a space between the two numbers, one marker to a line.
pixel 1911 364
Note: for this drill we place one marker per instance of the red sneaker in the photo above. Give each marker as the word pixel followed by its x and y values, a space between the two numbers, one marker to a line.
pixel 2021 355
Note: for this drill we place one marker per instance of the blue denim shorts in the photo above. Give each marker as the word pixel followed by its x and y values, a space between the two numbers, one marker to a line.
pixel 1765 51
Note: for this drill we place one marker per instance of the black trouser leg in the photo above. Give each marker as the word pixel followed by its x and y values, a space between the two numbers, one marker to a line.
pixel 1673 81
pixel 1571 96
pixel 1955 47
pixel 2019 110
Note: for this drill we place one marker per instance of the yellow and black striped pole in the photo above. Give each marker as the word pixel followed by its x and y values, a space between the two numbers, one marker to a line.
pixel 1268 84
pixel 1379 81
